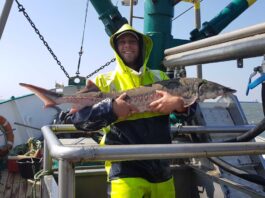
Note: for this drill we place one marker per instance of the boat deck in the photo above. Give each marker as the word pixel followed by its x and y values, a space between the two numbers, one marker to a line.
pixel 12 185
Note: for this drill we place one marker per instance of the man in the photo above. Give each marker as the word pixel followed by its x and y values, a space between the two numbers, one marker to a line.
pixel 133 179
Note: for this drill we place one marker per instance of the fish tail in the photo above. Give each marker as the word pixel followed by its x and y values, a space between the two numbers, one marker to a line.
pixel 47 96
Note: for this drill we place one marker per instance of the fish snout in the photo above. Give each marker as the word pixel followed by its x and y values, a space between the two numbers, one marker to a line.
pixel 227 90
pixel 212 90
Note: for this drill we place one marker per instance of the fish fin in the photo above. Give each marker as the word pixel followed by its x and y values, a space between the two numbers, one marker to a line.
pixel 190 102
pixel 90 87
pixel 48 97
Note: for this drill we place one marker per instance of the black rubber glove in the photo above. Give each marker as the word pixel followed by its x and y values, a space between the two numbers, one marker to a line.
pixel 64 118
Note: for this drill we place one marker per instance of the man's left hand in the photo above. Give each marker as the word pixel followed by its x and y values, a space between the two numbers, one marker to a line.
pixel 167 103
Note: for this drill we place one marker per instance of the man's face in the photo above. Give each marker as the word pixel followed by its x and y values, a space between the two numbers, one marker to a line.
pixel 128 48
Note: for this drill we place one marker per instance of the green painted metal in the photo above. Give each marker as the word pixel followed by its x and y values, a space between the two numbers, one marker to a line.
pixel 78 81
pixel 222 20
pixel 109 15
pixel 157 24
pixel 158 16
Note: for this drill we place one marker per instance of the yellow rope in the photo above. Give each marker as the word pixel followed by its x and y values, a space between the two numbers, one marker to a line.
pixel 37 178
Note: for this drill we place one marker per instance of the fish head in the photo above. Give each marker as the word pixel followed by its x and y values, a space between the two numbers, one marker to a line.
pixel 212 90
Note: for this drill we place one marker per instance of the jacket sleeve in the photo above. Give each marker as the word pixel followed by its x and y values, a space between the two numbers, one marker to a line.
pixel 96 117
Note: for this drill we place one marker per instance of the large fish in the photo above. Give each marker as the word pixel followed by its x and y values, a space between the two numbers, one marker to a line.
pixel 191 89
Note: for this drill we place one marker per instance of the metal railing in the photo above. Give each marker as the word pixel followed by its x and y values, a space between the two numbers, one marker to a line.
pixel 210 129
pixel 68 155
pixel 244 43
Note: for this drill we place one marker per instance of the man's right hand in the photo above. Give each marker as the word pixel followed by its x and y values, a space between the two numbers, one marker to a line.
pixel 122 108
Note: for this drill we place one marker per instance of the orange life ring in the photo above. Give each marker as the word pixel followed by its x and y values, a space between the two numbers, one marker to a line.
pixel 8 132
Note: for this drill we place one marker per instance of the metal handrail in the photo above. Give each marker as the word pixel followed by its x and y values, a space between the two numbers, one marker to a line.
pixel 147 151
pixel 222 38
pixel 237 49
pixel 68 155
pixel 210 129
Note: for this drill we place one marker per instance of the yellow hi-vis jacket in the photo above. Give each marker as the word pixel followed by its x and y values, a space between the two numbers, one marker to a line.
pixel 141 128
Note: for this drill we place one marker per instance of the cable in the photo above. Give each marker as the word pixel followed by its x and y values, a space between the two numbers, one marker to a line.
pixel 83 38
pixel 238 172
pixel 249 135
pixel 184 12
pixel 232 169
pixel 252 133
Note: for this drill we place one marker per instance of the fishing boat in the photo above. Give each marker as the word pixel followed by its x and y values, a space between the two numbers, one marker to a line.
pixel 218 153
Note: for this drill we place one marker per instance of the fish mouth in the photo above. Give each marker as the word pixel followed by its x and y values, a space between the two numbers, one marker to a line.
pixel 199 89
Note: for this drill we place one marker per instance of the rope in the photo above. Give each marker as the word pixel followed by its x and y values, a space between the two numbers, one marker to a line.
pixel 37 178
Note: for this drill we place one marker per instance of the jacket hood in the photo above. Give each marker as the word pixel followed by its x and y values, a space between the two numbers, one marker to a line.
pixel 146 49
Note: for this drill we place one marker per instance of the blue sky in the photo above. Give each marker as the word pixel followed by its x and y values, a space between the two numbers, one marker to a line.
pixel 25 59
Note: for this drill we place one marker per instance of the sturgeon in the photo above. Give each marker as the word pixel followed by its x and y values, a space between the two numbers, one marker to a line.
pixel 190 89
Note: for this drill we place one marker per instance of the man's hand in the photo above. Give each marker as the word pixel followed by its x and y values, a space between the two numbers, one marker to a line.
pixel 167 103
pixel 122 108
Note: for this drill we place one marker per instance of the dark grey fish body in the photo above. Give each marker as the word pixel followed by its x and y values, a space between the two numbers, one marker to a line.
pixel 191 89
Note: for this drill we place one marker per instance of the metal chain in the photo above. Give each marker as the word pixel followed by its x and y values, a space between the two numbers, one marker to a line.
pixel 22 9
pixel 100 68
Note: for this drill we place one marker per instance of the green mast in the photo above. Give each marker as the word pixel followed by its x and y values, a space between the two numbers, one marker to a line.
pixel 158 16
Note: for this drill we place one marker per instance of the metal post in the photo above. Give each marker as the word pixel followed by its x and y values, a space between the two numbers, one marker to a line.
pixel 198 26
pixel 66 179
pixel 4 15
pixel 131 12
pixel 47 166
